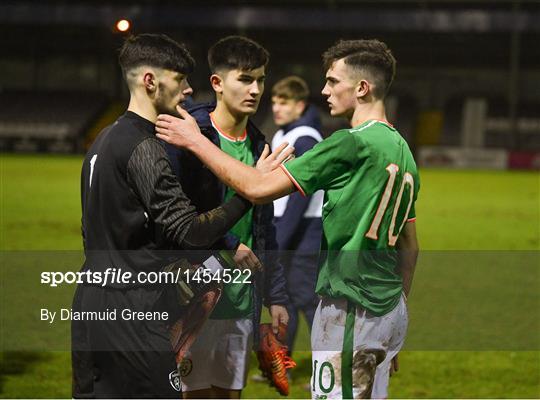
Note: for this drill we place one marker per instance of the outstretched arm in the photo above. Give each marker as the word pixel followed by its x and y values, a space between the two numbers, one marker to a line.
pixel 151 178
pixel 258 186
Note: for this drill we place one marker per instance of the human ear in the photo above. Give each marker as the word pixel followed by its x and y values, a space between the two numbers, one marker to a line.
pixel 217 83
pixel 150 81
pixel 363 88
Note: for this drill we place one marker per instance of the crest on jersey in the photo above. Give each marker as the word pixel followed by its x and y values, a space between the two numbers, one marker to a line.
pixel 174 380
pixel 185 367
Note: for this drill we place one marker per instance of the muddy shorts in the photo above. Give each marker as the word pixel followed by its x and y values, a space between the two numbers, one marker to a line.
pixel 352 349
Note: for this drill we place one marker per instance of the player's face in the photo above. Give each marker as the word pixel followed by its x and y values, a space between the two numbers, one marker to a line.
pixel 241 90
pixel 286 110
pixel 340 90
pixel 173 89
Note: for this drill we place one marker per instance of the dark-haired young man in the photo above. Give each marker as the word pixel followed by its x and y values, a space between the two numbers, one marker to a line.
pixel 298 218
pixel 133 208
pixel 219 358
pixel 371 184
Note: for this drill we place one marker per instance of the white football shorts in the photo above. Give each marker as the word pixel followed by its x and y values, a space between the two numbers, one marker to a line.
pixel 352 349
pixel 219 356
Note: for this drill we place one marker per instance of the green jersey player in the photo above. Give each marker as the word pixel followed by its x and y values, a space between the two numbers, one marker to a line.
pixel 369 177
pixel 371 184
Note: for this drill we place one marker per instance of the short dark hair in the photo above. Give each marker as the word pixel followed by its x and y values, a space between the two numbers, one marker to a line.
pixel 237 52
pixel 371 56
pixel 155 50
pixel 291 87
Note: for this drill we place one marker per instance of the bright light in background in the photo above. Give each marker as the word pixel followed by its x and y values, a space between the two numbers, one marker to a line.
pixel 123 25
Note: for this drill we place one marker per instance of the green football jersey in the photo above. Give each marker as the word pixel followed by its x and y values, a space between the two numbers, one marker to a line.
pixel 371 184
pixel 236 298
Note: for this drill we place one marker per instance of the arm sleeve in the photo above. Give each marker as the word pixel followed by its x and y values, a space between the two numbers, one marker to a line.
pixel 328 165
pixel 211 226
pixel 151 177
pixel 275 284
pixel 287 224
pixel 174 155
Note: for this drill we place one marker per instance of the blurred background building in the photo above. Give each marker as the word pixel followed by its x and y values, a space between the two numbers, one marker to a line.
pixel 467 91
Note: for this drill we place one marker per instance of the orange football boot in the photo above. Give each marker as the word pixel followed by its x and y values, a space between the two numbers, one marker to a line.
pixel 273 359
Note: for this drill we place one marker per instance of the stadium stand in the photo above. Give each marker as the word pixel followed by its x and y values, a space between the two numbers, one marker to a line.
pixel 47 121
pixel 494 126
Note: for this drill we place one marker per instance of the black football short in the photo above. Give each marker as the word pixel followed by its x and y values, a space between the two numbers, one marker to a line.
pixel 121 358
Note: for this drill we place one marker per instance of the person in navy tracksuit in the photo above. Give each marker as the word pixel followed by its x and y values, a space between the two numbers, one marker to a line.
pixel 297 219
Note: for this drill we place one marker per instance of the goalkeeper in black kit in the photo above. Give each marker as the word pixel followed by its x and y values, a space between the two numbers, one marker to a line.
pixel 134 213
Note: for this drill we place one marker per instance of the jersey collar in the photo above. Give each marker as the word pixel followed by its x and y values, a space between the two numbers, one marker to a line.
pixel 388 124
pixel 225 136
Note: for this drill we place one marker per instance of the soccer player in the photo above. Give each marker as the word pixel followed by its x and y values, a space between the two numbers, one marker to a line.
pixel 219 358
pixel 133 208
pixel 371 184
pixel 297 218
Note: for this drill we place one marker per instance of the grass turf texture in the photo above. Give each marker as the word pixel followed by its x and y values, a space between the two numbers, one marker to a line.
pixel 457 210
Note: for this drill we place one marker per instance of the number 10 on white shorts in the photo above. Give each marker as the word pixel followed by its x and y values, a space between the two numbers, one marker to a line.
pixel 352 349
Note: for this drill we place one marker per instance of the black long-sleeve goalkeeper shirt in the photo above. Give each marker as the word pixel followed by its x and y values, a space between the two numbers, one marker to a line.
pixel 133 205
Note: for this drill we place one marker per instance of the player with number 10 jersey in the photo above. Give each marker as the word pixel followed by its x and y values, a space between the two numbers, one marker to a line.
pixel 371 183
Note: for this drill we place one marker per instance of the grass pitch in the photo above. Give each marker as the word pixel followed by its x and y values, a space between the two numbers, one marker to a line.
pixel 474 307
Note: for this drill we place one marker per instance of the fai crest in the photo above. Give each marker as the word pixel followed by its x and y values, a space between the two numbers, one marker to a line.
pixel 174 379
pixel 185 367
